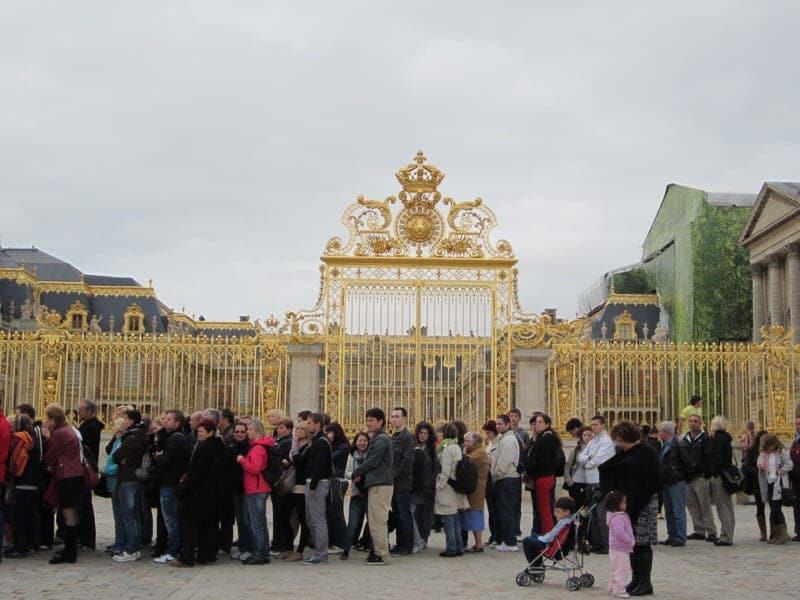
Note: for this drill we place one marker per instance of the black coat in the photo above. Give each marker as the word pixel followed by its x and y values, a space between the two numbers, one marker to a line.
pixel 700 452
pixel 235 474
pixel 90 430
pixel 543 455
pixel 129 455
pixel 424 476
pixel 173 461
pixel 721 452
pixel 676 463
pixel 201 489
pixel 320 460
pixel 403 460
pixel 340 454
pixel 634 472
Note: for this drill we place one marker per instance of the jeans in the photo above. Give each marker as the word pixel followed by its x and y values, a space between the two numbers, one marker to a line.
pixel 241 523
pixel 675 511
pixel 119 525
pixel 452 534
pixel 170 511
pixel 775 508
pixel 145 516
pixel 423 517
pixel 255 506
pixel 315 514
pixel 506 499
pixel 401 507
pixel 129 504
pixel 355 521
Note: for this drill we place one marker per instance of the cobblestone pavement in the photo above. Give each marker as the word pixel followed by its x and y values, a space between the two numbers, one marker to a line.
pixel 747 569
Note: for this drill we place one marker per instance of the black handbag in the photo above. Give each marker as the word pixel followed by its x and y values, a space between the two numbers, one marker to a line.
pixel 334 488
pixel 101 489
pixel 787 495
pixel 732 479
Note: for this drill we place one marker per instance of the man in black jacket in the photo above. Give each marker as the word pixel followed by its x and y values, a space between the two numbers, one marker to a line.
pixel 318 473
pixel 171 464
pixel 676 467
pixel 698 492
pixel 91 428
pixel 403 457
pixel 129 458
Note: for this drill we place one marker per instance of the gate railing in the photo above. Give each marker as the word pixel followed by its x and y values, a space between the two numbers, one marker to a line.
pixel 650 382
pixel 151 372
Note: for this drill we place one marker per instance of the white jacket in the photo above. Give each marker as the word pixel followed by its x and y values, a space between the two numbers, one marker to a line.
pixel 599 449
pixel 505 458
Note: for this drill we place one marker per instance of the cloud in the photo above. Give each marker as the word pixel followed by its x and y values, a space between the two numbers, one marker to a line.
pixel 213 147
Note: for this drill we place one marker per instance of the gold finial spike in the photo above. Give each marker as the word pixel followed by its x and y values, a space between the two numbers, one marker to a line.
pixel 420 159
pixel 150 282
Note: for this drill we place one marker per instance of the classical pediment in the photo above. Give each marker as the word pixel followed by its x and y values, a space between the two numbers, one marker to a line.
pixel 776 204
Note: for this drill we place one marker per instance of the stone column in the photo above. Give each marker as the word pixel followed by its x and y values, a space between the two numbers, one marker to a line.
pixel 531 380
pixel 775 290
pixel 793 288
pixel 304 377
pixel 758 300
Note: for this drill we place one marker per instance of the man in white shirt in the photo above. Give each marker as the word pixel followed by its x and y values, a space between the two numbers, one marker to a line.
pixel 505 482
pixel 599 449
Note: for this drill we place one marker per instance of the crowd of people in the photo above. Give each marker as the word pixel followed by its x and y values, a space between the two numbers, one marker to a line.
pixel 211 474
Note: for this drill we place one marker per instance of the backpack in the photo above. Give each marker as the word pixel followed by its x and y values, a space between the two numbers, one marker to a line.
pixel 144 472
pixel 273 470
pixel 466 477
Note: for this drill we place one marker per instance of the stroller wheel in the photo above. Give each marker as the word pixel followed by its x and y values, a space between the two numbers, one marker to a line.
pixel 538 577
pixel 523 579
pixel 573 584
pixel 587 580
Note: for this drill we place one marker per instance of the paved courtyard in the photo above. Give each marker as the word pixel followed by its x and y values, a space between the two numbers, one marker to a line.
pixel 746 570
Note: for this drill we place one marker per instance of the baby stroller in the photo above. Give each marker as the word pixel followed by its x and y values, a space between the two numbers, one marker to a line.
pixel 565 554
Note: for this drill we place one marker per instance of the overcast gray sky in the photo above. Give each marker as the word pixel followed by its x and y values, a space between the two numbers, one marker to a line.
pixel 212 146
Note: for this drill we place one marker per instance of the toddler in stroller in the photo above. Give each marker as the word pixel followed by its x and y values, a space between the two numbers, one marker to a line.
pixel 552 550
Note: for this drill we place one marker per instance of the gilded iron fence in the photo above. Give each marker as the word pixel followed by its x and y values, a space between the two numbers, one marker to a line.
pixel 650 382
pixel 151 372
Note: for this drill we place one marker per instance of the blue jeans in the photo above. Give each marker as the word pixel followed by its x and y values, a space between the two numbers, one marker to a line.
pixel 506 499
pixel 241 523
pixel 171 513
pixel 452 534
pixel 401 507
pixel 675 511
pixel 129 498
pixel 119 528
pixel 255 506
pixel 355 521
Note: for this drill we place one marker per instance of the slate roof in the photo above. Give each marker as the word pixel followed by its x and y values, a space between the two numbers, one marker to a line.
pixel 641 314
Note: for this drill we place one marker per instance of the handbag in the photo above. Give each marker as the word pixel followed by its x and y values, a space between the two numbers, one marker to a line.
pixel 144 472
pixel 787 495
pixel 732 479
pixel 334 489
pixel 90 478
pixel 285 482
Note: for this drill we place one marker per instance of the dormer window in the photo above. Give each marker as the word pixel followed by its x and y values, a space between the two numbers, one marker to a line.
pixel 133 319
pixel 625 326
pixel 77 317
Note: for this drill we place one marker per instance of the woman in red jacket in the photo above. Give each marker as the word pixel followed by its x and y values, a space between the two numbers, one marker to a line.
pixel 256 491
pixel 63 459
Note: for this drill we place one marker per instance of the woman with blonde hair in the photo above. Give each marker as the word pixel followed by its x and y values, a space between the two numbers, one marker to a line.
pixel 721 461
pixel 110 471
pixel 774 466
pixel 274 417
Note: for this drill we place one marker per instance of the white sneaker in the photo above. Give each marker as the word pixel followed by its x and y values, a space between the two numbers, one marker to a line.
pixel 244 556
pixel 275 553
pixel 236 555
pixel 335 550
pixel 164 558
pixel 125 557
pixel 493 545
pixel 504 548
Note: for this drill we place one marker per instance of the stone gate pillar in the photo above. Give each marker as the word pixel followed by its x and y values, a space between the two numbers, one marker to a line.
pixel 304 377
pixel 531 391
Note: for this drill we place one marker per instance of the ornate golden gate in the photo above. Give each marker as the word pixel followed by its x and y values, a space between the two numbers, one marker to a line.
pixel 415 307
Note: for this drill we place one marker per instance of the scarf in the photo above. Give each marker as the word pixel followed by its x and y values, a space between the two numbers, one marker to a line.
pixel 21 452
pixel 445 442
pixel 769 463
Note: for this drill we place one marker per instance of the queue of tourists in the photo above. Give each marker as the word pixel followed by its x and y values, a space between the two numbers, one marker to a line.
pixel 209 478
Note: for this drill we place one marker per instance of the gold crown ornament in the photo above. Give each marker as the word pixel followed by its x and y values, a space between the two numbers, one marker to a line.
pixel 419 176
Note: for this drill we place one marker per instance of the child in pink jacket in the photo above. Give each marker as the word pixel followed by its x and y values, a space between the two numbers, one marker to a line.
pixel 620 543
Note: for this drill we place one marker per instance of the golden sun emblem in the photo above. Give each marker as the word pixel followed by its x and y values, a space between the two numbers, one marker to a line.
pixel 419 228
